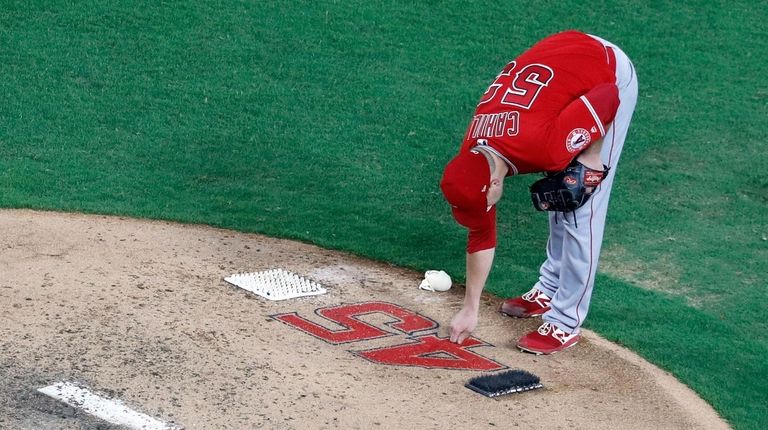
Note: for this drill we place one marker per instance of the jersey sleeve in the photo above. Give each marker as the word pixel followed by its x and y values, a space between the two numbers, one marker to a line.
pixel 483 237
pixel 584 121
pixel 602 102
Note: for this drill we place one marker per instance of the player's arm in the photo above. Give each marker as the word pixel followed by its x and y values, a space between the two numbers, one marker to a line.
pixel 478 268
pixel 580 128
pixel 590 157
pixel 481 247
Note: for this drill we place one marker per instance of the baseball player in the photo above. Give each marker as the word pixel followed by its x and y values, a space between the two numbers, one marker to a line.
pixel 563 108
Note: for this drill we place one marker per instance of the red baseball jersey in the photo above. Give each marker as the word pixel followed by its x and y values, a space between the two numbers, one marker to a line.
pixel 544 108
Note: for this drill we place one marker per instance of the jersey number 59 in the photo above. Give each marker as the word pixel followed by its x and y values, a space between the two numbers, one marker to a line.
pixel 522 89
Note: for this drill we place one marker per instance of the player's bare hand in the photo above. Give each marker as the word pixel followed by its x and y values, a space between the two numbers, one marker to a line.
pixel 463 324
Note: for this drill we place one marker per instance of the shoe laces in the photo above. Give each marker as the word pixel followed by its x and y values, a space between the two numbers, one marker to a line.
pixel 544 329
pixel 548 329
pixel 535 295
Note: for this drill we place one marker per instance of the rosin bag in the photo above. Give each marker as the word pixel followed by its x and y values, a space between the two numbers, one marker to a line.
pixel 436 280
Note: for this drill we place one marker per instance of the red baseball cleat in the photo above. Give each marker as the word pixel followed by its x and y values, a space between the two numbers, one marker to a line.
pixel 531 304
pixel 548 339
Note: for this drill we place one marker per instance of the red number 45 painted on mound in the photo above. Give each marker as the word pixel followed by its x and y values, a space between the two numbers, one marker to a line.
pixel 427 350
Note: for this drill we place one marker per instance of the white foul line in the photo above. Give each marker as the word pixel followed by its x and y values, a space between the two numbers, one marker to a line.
pixel 113 411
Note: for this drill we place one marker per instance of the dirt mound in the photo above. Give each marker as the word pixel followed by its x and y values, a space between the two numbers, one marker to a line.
pixel 139 310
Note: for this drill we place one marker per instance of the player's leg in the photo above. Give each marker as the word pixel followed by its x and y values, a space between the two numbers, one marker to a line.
pixel 536 301
pixel 580 252
pixel 549 272
pixel 583 230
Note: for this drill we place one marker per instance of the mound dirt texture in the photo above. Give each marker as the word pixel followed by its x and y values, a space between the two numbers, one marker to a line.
pixel 139 311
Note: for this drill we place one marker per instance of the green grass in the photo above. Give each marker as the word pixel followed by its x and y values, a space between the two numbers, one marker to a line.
pixel 329 122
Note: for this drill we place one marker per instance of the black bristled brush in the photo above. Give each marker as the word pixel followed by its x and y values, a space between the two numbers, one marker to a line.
pixel 507 382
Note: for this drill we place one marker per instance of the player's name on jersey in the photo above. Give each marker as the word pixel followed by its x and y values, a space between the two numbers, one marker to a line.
pixel 495 124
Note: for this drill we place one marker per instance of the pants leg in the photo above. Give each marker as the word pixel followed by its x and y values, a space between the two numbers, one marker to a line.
pixel 568 275
pixel 549 273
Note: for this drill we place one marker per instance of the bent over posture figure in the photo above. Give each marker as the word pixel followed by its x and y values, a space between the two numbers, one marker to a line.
pixel 563 107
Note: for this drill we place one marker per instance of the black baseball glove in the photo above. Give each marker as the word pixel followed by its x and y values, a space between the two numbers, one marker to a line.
pixel 567 190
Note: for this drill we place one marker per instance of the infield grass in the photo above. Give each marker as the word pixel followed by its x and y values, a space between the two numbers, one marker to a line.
pixel 330 122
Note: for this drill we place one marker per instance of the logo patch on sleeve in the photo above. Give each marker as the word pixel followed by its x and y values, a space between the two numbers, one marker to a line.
pixel 577 139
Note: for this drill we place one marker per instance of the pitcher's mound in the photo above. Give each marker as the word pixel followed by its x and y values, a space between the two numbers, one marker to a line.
pixel 139 310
